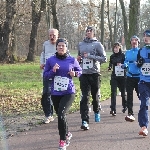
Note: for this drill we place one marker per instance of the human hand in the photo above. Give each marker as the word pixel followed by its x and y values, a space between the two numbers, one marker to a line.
pixel 42 66
pixel 109 68
pixel 55 67
pixel 72 73
pixel 78 58
pixel 118 64
pixel 85 55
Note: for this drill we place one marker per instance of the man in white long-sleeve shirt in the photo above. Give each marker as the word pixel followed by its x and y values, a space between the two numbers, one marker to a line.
pixel 49 49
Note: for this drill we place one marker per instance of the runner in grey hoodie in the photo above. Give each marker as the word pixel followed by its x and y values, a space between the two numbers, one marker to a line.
pixel 91 54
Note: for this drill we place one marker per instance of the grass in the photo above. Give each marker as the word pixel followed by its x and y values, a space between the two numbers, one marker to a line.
pixel 21 88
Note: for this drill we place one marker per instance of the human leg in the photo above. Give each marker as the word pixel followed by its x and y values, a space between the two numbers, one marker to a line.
pixel 113 84
pixel 95 88
pixel 46 101
pixel 144 90
pixel 121 85
pixel 61 106
pixel 129 89
pixel 84 103
pixel 130 85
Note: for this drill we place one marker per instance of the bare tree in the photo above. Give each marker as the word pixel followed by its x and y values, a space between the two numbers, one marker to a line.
pixel 36 17
pixel 134 17
pixel 109 25
pixel 54 13
pixel 6 53
pixel 102 21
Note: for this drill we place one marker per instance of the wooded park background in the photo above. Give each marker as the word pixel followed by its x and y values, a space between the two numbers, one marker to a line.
pixel 24 23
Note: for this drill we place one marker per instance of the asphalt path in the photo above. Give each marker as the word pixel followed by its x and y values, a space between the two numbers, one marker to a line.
pixel 111 133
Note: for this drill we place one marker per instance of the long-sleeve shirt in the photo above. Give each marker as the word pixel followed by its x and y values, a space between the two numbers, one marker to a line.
pixel 62 82
pixel 96 55
pixel 145 67
pixel 131 62
pixel 114 59
pixel 48 50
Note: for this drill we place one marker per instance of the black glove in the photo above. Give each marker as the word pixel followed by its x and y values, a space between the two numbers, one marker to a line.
pixel 109 68
pixel 140 62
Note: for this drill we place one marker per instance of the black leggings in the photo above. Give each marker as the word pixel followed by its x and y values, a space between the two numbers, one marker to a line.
pixel 132 83
pixel 61 105
pixel 119 82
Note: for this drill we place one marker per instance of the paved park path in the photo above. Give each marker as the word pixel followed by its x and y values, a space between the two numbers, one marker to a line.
pixel 112 133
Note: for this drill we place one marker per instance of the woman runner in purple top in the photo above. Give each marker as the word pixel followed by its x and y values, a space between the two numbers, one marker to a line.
pixel 61 68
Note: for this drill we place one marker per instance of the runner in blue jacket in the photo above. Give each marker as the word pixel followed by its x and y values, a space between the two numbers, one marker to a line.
pixel 143 60
pixel 61 68
pixel 133 75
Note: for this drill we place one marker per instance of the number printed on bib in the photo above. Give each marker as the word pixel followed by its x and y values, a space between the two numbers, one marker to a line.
pixel 119 71
pixel 61 83
pixel 87 63
pixel 145 69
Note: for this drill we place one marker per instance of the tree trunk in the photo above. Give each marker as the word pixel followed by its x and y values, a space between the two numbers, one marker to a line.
pixel 36 17
pixel 110 44
pixel 6 53
pixel 125 23
pixel 102 22
pixel 54 13
pixel 134 18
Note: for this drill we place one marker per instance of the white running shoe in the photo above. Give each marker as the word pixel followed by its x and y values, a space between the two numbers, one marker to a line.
pixel 119 94
pixel 49 119
pixel 68 138
pixel 143 131
pixel 129 118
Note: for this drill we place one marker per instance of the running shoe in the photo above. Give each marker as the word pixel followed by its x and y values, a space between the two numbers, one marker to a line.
pixel 143 131
pixel 130 118
pixel 49 119
pixel 85 125
pixel 62 145
pixel 97 117
pixel 113 113
pixel 68 138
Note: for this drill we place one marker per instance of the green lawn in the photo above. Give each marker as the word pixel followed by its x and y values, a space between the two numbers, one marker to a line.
pixel 21 88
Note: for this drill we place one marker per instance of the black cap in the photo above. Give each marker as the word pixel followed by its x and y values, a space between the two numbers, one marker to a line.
pixel 90 28
pixel 61 40
pixel 117 44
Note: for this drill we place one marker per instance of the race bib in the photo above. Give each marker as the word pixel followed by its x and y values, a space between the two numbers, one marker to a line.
pixel 87 63
pixel 145 69
pixel 61 83
pixel 119 71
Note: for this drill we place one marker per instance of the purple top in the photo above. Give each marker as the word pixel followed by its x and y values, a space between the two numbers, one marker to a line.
pixel 58 84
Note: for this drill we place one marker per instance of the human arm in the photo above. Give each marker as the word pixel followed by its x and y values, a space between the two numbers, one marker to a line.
pixel 99 54
pixel 42 59
pixel 79 54
pixel 110 63
pixel 76 70
pixel 50 71
pixel 140 60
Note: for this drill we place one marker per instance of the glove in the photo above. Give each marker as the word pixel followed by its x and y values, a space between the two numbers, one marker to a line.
pixel 109 68
pixel 140 62
pixel 123 67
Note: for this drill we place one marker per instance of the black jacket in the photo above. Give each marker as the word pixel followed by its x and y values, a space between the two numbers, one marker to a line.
pixel 114 59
